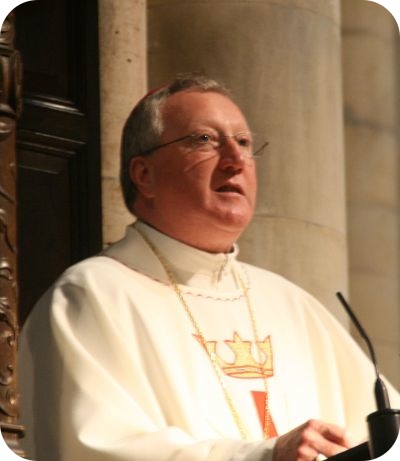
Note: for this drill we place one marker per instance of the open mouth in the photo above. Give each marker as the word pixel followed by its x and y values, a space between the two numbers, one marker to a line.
pixel 230 188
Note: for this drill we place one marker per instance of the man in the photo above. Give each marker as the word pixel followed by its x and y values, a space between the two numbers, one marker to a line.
pixel 165 347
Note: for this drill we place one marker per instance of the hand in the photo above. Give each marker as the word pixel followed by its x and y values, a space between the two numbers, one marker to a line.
pixel 307 441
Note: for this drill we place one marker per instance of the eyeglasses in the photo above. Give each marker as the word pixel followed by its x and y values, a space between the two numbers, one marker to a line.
pixel 205 142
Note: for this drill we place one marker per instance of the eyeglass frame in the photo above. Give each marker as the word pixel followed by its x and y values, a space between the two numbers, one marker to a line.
pixel 254 155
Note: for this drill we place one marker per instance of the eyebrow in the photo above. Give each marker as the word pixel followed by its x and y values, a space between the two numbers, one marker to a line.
pixel 211 125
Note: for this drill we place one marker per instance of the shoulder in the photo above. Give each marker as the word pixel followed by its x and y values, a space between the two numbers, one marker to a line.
pixel 265 279
pixel 96 269
pixel 91 291
pixel 91 283
pixel 284 295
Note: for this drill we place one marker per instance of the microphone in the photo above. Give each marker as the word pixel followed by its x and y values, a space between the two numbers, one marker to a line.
pixel 384 424
pixel 381 395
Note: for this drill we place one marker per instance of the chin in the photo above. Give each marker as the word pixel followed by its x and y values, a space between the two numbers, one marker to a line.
pixel 234 222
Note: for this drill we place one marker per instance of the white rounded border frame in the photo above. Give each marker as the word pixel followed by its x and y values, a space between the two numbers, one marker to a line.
pixel 393 6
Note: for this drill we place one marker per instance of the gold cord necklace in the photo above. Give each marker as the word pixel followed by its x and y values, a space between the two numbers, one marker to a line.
pixel 211 354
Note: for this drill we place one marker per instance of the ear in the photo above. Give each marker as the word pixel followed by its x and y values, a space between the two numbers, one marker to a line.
pixel 141 174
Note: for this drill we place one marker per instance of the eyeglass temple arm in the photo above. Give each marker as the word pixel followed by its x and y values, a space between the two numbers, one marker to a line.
pixel 152 149
pixel 263 146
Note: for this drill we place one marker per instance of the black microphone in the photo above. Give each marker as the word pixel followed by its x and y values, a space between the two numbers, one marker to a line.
pixel 381 395
pixel 384 424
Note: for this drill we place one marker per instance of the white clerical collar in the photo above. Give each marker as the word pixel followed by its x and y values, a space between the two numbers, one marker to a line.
pixel 191 266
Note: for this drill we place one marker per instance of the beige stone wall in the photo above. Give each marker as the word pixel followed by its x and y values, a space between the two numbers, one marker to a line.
pixel 282 60
pixel 371 101
pixel 123 81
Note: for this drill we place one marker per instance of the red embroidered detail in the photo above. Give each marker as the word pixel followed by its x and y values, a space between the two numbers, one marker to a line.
pixel 259 398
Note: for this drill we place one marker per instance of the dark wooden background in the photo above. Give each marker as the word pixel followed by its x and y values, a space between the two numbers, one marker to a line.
pixel 59 191
pixel 10 105
pixel 50 178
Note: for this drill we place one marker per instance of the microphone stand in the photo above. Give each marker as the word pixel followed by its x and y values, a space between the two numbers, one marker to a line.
pixel 383 428
pixel 383 424
pixel 358 453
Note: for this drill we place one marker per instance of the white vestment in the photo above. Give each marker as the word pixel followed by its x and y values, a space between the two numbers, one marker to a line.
pixel 112 369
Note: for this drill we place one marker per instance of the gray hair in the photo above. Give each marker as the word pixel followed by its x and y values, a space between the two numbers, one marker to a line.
pixel 144 125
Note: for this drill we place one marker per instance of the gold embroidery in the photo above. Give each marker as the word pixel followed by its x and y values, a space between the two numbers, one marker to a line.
pixel 244 364
pixel 218 371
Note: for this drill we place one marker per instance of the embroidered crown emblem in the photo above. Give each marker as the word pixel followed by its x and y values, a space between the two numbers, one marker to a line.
pixel 244 364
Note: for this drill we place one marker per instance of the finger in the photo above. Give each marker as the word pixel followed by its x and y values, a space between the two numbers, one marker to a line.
pixel 294 446
pixel 336 434
pixel 305 442
pixel 317 435
pixel 331 432
pixel 306 453
pixel 324 446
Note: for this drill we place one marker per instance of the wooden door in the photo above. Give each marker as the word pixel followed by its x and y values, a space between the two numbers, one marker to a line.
pixel 59 202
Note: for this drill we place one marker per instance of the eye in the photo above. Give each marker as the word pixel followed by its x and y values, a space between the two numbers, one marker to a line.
pixel 244 139
pixel 203 138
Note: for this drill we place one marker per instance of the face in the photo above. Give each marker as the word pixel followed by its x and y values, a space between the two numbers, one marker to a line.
pixel 204 199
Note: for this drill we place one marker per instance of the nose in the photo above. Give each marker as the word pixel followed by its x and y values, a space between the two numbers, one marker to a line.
pixel 231 156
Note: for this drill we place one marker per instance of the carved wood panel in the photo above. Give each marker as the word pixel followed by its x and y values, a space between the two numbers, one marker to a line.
pixel 58 159
pixel 10 102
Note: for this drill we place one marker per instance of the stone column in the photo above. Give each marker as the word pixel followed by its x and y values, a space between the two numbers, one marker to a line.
pixel 282 60
pixel 371 95
pixel 122 31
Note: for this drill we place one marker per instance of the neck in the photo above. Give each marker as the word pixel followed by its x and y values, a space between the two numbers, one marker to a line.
pixel 191 266
pixel 212 242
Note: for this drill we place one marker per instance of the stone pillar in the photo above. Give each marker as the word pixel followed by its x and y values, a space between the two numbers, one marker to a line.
pixel 371 96
pixel 122 31
pixel 282 60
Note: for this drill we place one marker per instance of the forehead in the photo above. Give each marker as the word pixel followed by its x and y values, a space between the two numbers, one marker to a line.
pixel 193 108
